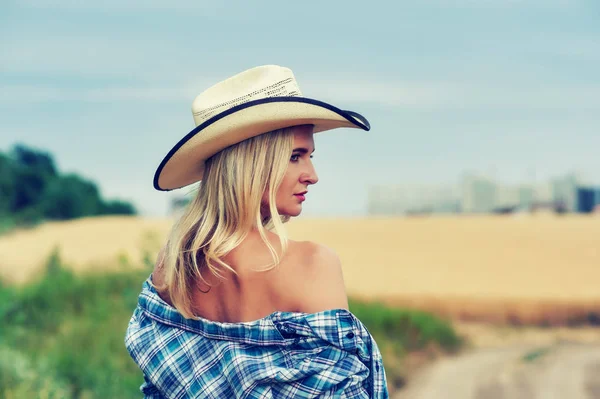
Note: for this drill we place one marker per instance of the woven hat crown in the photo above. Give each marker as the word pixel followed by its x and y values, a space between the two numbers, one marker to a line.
pixel 253 84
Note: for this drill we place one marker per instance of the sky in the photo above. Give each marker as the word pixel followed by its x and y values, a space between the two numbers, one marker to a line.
pixel 503 87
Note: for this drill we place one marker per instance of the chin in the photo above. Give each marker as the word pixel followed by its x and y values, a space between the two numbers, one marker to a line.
pixel 291 212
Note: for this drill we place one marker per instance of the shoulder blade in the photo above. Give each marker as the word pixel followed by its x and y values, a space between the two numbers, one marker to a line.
pixel 321 283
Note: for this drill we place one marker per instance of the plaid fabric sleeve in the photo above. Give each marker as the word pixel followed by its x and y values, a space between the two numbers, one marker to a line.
pixel 150 391
pixel 328 354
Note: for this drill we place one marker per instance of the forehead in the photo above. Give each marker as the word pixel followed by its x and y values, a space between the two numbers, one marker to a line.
pixel 303 136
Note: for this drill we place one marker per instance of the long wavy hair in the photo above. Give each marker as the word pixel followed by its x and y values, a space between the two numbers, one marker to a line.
pixel 227 206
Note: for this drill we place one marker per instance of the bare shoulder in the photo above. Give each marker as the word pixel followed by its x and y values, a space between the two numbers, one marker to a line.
pixel 158 277
pixel 318 257
pixel 158 271
pixel 319 281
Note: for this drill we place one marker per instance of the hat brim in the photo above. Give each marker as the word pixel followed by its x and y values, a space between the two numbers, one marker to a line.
pixel 184 164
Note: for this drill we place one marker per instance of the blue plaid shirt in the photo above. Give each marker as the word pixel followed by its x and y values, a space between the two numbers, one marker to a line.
pixel 328 354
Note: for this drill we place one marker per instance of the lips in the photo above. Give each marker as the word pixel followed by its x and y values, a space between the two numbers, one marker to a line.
pixel 301 196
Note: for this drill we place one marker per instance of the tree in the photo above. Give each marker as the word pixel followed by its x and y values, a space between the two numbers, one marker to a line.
pixel 32 172
pixel 7 184
pixel 27 157
pixel 71 196
pixel 117 207
pixel 31 190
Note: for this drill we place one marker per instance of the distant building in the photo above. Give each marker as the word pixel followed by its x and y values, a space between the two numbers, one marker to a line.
pixel 587 199
pixel 478 194
pixel 526 196
pixel 411 200
pixel 565 191
pixel 386 200
pixel 543 193
pixel 507 197
pixel 483 195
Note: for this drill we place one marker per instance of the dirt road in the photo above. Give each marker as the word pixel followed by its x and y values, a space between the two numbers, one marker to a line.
pixel 566 370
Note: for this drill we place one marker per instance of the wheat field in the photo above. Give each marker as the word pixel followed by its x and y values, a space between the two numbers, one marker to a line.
pixel 519 268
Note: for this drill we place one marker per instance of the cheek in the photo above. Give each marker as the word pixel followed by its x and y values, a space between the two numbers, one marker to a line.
pixel 287 184
pixel 284 190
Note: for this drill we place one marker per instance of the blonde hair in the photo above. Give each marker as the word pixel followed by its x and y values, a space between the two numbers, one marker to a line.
pixel 227 206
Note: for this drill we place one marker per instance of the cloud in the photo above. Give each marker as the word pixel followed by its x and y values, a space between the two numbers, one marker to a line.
pixel 31 94
pixel 407 95
pixel 530 4
pixel 88 56
pixel 118 5
pixel 449 95
pixel 202 5
pixel 109 68
pixel 576 48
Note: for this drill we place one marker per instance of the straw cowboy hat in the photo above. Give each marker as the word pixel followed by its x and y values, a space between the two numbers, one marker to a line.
pixel 250 103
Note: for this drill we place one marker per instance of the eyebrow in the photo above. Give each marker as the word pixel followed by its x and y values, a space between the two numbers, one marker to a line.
pixel 302 150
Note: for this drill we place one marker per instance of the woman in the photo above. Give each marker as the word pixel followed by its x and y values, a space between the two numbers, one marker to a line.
pixel 233 309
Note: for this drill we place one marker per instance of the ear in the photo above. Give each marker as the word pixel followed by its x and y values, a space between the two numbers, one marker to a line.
pixel 160 258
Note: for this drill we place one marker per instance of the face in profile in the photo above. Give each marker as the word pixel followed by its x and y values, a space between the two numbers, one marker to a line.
pixel 300 174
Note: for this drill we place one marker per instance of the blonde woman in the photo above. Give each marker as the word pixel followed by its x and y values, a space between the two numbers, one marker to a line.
pixel 233 308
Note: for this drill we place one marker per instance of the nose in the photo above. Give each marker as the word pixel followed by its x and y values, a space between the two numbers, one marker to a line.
pixel 310 175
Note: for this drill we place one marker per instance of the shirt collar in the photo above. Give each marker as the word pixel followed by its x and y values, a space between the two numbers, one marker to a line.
pixel 337 326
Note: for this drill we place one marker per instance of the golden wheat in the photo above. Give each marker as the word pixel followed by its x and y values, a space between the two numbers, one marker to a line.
pixel 515 268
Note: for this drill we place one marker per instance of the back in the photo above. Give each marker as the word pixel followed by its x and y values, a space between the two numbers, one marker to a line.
pixel 309 279
pixel 284 355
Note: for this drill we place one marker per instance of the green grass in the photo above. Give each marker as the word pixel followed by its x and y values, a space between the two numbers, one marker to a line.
pixel 399 332
pixel 535 354
pixel 412 330
pixel 62 336
pixel 7 224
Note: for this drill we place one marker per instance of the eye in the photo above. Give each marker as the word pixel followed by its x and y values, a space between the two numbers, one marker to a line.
pixel 295 157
